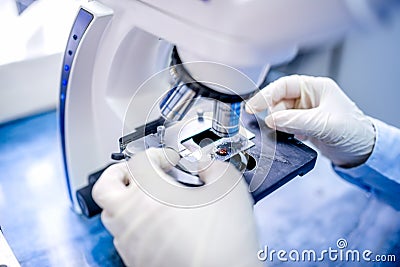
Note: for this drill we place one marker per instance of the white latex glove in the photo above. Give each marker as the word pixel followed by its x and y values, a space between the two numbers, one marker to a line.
pixel 317 108
pixel 152 234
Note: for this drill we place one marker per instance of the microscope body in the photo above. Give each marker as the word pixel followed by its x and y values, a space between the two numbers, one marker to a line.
pixel 117 46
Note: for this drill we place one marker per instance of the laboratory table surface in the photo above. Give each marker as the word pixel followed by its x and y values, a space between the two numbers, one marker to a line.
pixel 309 213
pixel 35 212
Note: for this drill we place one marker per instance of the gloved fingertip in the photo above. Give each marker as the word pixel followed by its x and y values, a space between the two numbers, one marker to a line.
pixel 269 120
pixel 211 170
pixel 114 178
pixel 301 137
pixel 165 158
pixel 253 106
pixel 107 199
pixel 172 155
pixel 260 102
pixel 249 109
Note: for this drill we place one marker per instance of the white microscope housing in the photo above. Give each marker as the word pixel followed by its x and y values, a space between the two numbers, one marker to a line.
pixel 115 46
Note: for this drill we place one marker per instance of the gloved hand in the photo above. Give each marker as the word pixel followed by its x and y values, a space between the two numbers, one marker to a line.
pixel 317 108
pixel 154 234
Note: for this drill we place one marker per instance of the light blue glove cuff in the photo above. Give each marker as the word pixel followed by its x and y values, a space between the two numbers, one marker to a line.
pixel 380 174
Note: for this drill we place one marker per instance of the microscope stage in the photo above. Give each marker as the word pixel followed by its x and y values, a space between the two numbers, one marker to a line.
pixel 267 158
pixel 270 171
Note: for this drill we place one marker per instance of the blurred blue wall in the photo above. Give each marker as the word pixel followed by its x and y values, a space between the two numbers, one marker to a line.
pixel 369 70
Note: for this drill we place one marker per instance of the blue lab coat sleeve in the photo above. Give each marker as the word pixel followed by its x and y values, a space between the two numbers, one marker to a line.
pixel 380 174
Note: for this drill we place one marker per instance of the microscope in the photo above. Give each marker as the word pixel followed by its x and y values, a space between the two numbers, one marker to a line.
pixel 153 73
